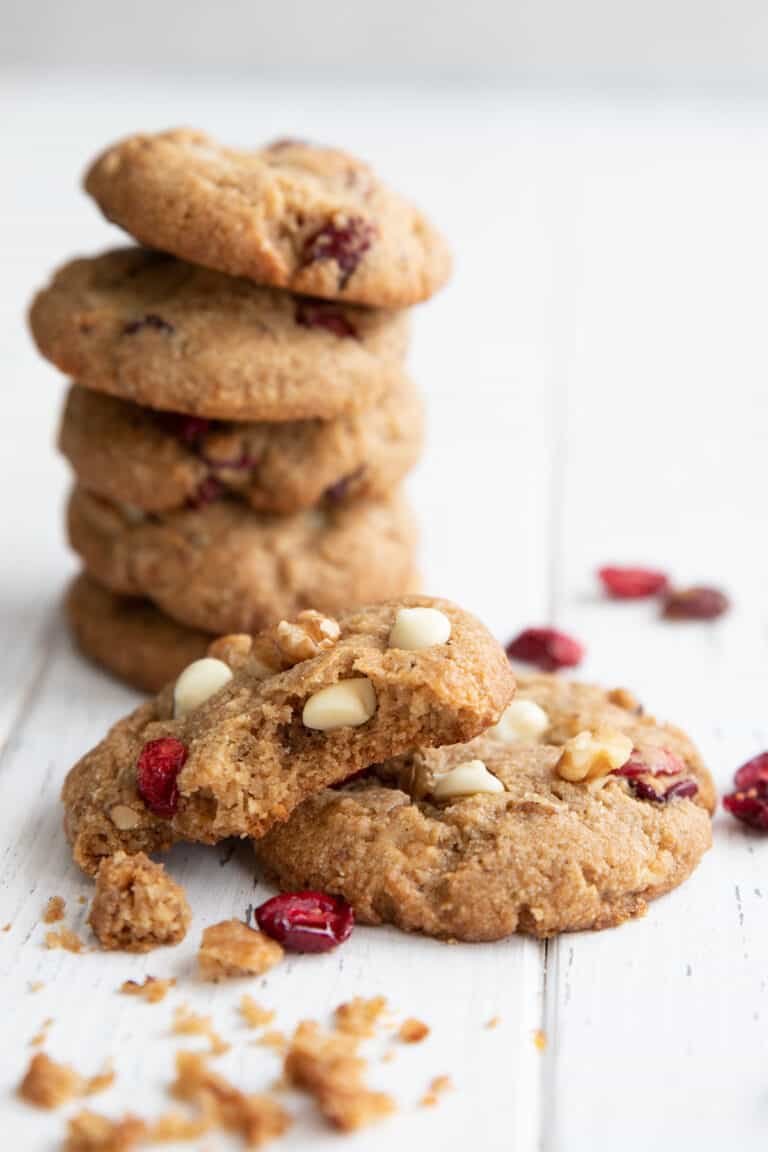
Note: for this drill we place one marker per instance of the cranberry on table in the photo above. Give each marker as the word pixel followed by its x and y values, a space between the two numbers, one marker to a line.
pixel 632 583
pixel 749 803
pixel 157 769
pixel 547 648
pixel 697 603
pixel 306 921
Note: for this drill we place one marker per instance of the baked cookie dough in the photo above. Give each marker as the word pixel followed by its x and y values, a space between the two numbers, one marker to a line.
pixel 130 637
pixel 245 736
pixel 145 327
pixel 160 461
pixel 225 568
pixel 293 215
pixel 528 851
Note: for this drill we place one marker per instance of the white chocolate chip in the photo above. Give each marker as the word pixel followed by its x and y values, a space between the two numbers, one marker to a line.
pixel 466 780
pixel 416 628
pixel 346 704
pixel 124 818
pixel 198 682
pixel 590 754
pixel 523 722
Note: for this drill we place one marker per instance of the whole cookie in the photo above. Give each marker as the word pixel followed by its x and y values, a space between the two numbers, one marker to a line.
pixel 309 219
pixel 160 461
pixel 508 845
pixel 225 568
pixel 240 740
pixel 129 637
pixel 147 328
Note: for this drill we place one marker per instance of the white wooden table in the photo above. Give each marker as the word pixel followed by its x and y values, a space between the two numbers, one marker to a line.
pixel 596 379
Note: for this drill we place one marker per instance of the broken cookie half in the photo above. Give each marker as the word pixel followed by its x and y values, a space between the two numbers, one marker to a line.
pixel 247 733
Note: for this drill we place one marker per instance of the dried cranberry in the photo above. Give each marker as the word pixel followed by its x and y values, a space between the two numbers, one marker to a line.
pixel 698 603
pixel 753 773
pixel 632 583
pixel 316 314
pixel 339 491
pixel 547 648
pixel 750 800
pixel 306 921
pixel 653 762
pixel 681 789
pixel 191 429
pixel 207 491
pixel 157 768
pixel 749 805
pixel 149 320
pixel 345 243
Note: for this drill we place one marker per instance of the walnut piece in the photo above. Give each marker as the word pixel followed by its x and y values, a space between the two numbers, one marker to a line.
pixel 592 754
pixel 310 633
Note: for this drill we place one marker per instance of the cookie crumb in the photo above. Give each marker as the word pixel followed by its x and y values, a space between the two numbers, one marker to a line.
pixel 413 1031
pixel 65 938
pixel 47 1084
pixel 493 1022
pixel 326 1065
pixel 437 1087
pixel 41 1036
pixel 359 1017
pixel 7 927
pixel 100 1082
pixel 91 1132
pixel 152 989
pixel 540 1039
pixel 231 949
pixel 257 1118
pixel 36 985
pixel 253 1014
pixel 274 1039
pixel 137 906
pixel 189 1023
pixel 54 910
pixel 82 899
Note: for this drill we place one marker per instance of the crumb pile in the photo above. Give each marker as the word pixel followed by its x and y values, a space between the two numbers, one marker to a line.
pixel 240 420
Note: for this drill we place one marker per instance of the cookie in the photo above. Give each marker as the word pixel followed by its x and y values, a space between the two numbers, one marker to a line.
pixel 129 637
pixel 225 568
pixel 160 461
pixel 312 220
pixel 247 734
pixel 506 844
pixel 147 328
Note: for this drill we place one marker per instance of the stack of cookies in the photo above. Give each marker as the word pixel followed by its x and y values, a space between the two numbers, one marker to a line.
pixel 240 420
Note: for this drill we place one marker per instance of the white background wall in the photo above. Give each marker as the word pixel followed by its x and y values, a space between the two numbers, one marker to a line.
pixel 683 44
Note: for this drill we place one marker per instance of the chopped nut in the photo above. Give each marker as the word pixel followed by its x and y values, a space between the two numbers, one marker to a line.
pixel 359 1017
pixel 348 703
pixel 253 1014
pixel 623 698
pixel 47 1084
pixel 590 755
pixel 124 818
pixel 233 649
pixel 418 628
pixel 467 779
pixel 523 722
pixel 306 636
pixel 153 990
pixel 54 910
pixel 327 1066
pixel 90 1132
pixel 65 938
pixel 413 1031
pixel 137 906
pixel 232 949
